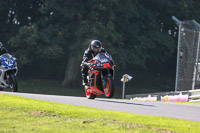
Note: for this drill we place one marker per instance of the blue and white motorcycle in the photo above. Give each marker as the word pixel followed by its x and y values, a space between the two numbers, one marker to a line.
pixel 8 72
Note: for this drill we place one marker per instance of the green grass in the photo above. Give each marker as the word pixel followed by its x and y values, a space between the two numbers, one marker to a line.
pixel 19 114
pixel 48 87
pixel 54 88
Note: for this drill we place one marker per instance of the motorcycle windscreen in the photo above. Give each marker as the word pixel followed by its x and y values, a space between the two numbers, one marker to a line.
pixel 6 56
pixel 102 57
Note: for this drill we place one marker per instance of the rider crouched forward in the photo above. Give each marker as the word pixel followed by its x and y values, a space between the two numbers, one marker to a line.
pixel 94 48
pixel 3 50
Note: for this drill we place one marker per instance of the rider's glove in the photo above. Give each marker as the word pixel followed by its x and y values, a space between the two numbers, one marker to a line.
pixel 91 65
pixel 85 64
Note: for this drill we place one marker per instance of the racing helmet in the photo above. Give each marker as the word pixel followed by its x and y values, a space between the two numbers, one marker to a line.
pixel 96 46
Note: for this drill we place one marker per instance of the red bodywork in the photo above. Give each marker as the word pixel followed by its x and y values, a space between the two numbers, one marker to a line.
pixel 94 89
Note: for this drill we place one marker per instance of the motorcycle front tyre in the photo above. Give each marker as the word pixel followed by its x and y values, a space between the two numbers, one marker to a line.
pixel 13 83
pixel 109 90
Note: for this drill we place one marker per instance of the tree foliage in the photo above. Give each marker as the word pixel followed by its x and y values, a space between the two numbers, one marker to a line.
pixel 138 34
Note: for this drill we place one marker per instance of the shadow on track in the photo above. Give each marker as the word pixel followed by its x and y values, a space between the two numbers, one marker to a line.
pixel 124 102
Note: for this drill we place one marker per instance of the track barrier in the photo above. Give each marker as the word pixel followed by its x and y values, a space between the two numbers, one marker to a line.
pixel 194 95
pixel 177 98
pixel 164 96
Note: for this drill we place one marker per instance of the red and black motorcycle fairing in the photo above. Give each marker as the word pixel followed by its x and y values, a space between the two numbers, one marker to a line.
pixel 100 76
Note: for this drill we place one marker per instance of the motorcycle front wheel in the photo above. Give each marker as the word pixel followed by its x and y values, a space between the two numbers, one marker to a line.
pixel 13 83
pixel 109 89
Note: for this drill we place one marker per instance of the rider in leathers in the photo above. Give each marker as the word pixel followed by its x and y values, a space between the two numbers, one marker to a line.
pixel 3 50
pixel 94 48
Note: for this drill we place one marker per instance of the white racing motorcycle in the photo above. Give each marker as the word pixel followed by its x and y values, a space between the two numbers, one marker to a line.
pixel 8 72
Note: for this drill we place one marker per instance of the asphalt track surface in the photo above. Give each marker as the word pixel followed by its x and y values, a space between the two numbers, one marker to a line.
pixel 184 111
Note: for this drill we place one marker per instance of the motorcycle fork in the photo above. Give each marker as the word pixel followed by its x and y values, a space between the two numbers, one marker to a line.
pixel 94 79
pixel 103 78
pixel 97 80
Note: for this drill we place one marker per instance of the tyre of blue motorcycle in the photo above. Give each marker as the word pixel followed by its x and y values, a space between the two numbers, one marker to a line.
pixel 14 83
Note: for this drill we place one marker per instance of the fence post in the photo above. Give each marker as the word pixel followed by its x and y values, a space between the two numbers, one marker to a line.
pixel 125 78
pixel 196 65
pixel 123 91
pixel 178 50
pixel 197 57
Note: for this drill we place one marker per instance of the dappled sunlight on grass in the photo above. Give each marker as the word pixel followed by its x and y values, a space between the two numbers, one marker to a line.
pixel 26 115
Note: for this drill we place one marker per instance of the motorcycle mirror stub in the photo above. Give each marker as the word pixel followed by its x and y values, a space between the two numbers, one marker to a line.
pixel 126 78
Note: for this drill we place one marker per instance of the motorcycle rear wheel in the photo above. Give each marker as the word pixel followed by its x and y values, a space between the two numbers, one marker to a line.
pixel 13 83
pixel 109 89
pixel 89 95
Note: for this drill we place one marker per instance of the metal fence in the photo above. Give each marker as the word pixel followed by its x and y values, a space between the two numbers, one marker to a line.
pixel 187 72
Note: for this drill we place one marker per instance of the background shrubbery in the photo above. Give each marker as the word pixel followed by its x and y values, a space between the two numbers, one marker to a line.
pixel 45 35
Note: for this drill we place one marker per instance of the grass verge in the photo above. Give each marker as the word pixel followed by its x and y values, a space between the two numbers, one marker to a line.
pixel 50 87
pixel 19 114
pixel 53 87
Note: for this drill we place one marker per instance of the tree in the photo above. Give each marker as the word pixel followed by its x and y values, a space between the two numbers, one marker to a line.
pixel 140 35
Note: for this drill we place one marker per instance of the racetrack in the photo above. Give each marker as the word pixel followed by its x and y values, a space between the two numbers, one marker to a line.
pixel 184 111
